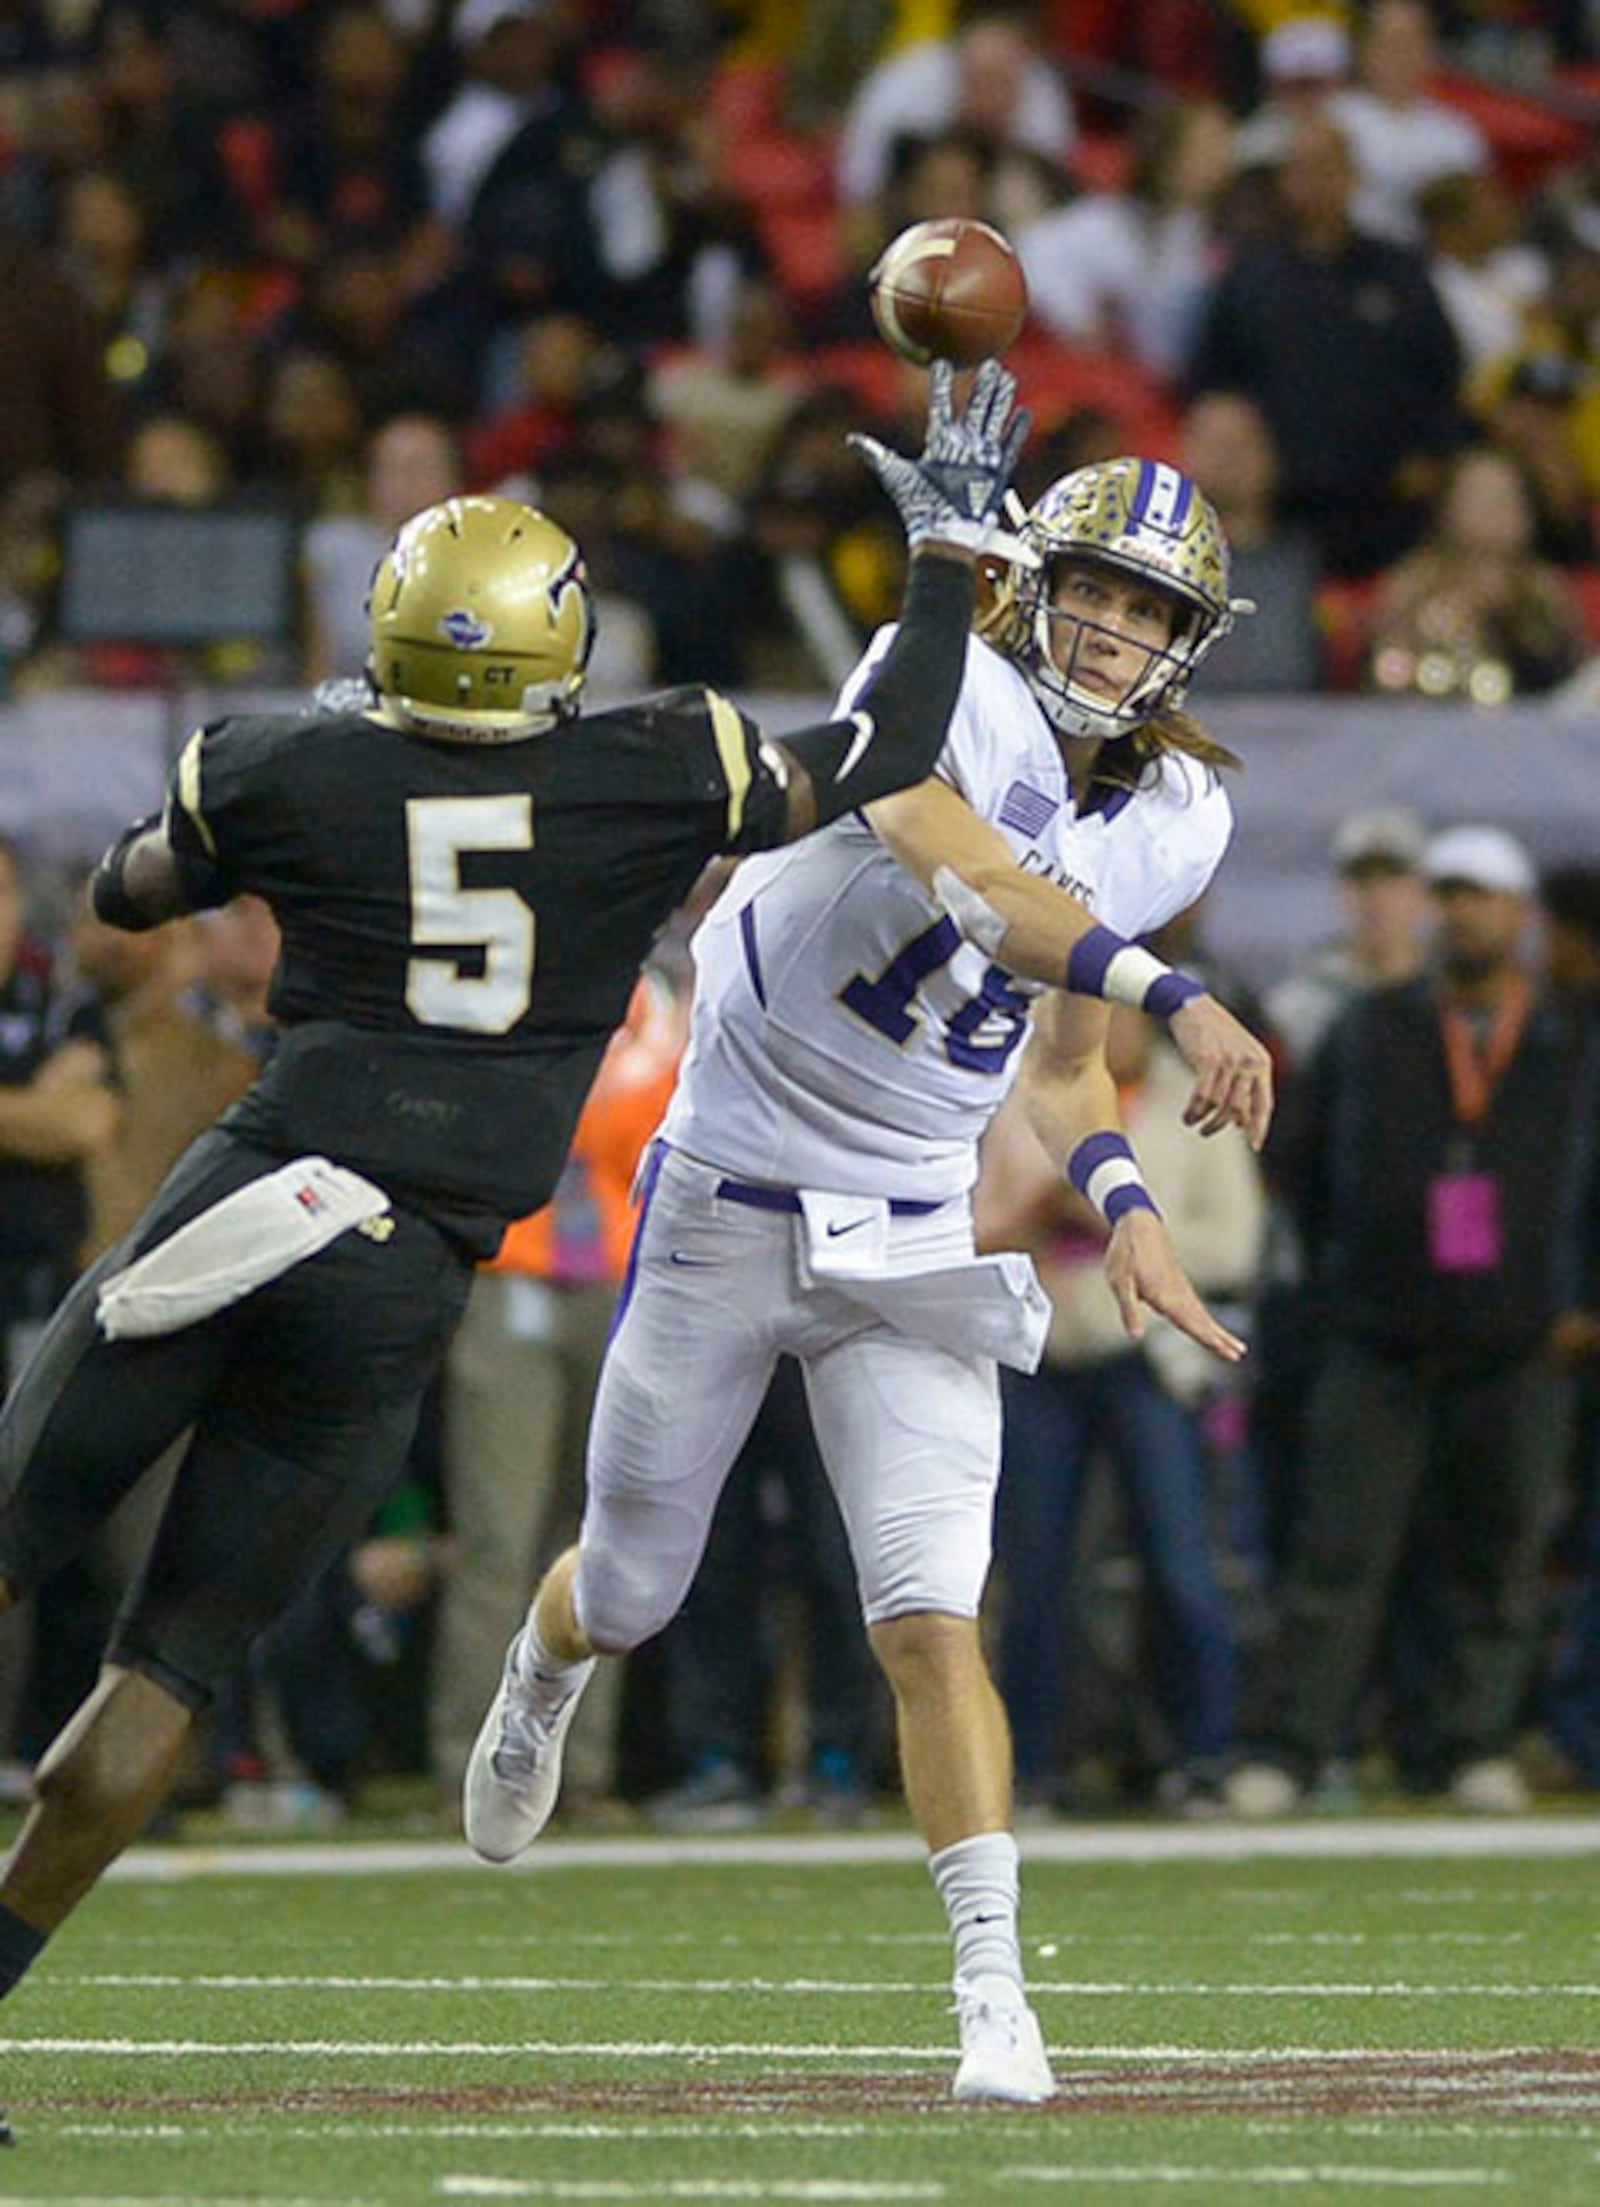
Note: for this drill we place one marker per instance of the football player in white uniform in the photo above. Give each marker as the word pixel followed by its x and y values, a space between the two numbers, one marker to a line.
pixel 863 1002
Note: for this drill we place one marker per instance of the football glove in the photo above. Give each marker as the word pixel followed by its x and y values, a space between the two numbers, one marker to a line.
pixel 952 493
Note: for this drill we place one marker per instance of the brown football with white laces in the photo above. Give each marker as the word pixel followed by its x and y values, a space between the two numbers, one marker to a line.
pixel 950 289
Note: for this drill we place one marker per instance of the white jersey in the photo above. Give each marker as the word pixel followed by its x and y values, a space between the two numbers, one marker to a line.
pixel 844 1035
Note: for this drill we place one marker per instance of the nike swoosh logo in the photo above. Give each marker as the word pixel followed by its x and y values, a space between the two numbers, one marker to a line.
pixel 866 728
pixel 835 1228
pixel 691 1264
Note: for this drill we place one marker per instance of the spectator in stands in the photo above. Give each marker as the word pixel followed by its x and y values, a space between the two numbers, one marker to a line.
pixel 511 56
pixel 519 1381
pixel 533 390
pixel 1136 1406
pixel 510 161
pixel 675 245
pixel 163 139
pixel 991 76
pixel 174 1071
pixel 1401 138
pixel 211 369
pixel 1570 896
pixel 824 572
pixel 1488 279
pixel 59 415
pixel 1377 856
pixel 1228 448
pixel 1472 612
pixel 726 408
pixel 775 1580
pixel 1535 420
pixel 412 460
pixel 1568 330
pixel 1304 61
pixel 1341 341
pixel 314 430
pixel 1425 1157
pixel 343 162
pixel 1125 272
pixel 103 249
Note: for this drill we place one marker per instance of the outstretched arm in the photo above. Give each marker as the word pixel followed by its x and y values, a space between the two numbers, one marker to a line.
pixel 948 500
pixel 1071 1101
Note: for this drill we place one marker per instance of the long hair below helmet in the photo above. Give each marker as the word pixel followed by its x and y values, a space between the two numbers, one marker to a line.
pixel 1137 518
pixel 480 622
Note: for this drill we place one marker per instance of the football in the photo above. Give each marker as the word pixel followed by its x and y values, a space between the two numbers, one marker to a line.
pixel 950 289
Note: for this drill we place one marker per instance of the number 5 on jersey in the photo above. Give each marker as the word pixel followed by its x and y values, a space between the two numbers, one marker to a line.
pixel 473 967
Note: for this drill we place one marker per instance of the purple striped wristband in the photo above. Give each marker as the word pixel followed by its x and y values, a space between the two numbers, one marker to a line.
pixel 1103 1168
pixel 1105 964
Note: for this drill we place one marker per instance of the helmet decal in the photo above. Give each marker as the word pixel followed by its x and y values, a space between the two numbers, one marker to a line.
pixel 465 630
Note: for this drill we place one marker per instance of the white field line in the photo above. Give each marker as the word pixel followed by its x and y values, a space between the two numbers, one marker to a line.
pixel 1292 2173
pixel 814 2188
pixel 1448 2058
pixel 788 1988
pixel 1423 1837
pixel 566 2131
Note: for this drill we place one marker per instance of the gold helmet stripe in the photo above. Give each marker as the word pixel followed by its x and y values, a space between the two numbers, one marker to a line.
pixel 189 790
pixel 728 729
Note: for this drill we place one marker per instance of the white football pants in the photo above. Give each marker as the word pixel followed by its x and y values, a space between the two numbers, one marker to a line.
pixel 909 1431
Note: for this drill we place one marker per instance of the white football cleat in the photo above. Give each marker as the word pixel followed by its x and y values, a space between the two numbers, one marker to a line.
pixel 1002 2047
pixel 514 1773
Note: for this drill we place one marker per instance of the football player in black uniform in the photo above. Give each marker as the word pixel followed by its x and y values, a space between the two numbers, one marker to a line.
pixel 467 873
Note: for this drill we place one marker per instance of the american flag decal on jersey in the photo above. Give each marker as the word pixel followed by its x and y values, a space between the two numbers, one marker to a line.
pixel 1027 809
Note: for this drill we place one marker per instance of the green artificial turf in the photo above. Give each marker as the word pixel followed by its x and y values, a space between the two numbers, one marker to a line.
pixel 1385 2030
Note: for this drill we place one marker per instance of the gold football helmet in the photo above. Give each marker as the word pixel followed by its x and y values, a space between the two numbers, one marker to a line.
pixel 481 622
pixel 1136 517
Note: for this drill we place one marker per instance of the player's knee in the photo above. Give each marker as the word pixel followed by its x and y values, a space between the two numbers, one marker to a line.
pixel 926 1650
pixel 617 1611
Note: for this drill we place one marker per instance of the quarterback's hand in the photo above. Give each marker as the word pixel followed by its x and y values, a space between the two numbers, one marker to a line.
pixel 1232 1070
pixel 1144 1273
pixel 952 493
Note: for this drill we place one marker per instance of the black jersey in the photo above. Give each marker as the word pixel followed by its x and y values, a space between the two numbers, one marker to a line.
pixel 462 924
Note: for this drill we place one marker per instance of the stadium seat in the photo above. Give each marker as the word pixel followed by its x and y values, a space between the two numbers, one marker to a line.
pixel 778 172
pixel 747 98
pixel 1345 609
pixel 807 251
pixel 1526 136
pixel 1585 582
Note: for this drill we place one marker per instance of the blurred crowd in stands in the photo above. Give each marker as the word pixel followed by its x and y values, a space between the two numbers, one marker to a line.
pixel 337 258
pixel 338 255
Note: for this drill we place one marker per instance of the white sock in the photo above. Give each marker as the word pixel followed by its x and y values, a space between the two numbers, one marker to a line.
pixel 978 1881
pixel 543 1673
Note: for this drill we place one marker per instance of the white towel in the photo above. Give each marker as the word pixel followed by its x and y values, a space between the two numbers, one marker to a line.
pixel 240 1243
pixel 987 1306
